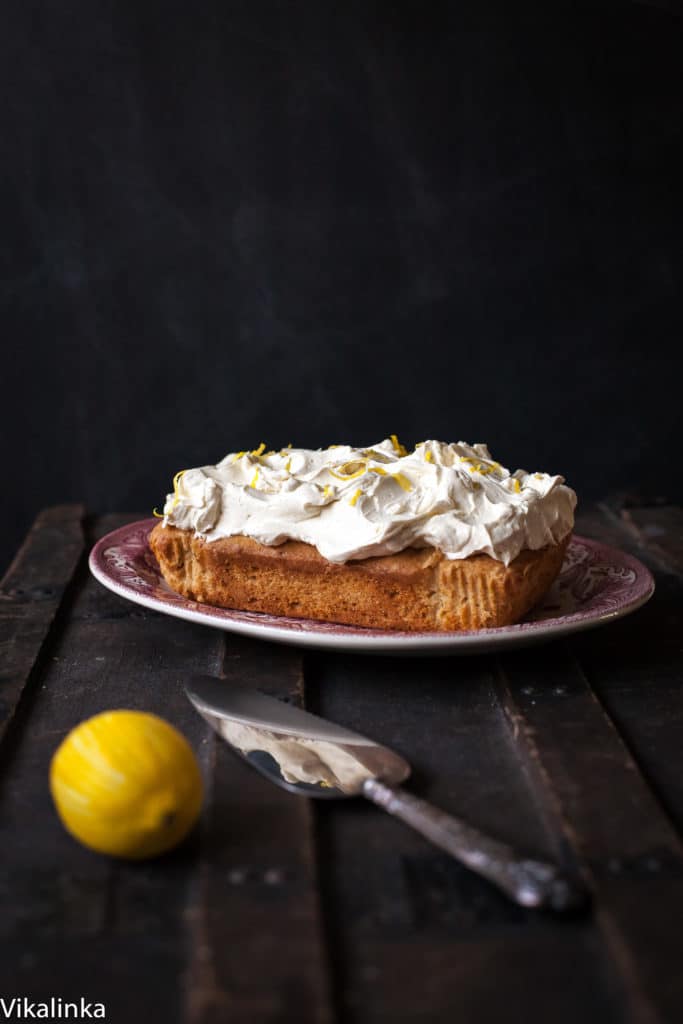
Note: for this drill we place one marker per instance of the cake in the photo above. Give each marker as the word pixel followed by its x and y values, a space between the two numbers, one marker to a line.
pixel 441 538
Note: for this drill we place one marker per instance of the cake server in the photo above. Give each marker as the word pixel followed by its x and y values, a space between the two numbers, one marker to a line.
pixel 313 757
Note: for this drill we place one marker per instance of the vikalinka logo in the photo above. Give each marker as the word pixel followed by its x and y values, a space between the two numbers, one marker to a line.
pixel 55 1008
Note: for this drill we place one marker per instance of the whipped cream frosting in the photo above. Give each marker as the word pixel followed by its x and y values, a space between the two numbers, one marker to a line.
pixel 352 503
pixel 303 759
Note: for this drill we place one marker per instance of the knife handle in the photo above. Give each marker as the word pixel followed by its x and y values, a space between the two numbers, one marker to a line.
pixel 529 882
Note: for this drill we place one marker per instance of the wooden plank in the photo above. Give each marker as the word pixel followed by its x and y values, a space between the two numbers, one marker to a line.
pixel 651 532
pixel 227 923
pixel 414 935
pixel 630 853
pixel 598 719
pixel 230 926
pixel 31 593
pixel 75 923
pixel 658 530
pixel 635 665
pixel 391 906
pixel 257 937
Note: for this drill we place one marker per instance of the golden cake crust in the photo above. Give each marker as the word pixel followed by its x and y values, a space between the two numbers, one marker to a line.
pixel 418 589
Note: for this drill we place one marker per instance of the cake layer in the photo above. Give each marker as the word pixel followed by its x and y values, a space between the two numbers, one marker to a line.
pixel 417 589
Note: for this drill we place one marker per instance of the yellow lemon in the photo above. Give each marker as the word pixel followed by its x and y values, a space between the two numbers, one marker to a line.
pixel 126 783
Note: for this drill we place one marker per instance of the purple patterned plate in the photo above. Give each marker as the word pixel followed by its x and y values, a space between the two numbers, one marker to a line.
pixel 597 584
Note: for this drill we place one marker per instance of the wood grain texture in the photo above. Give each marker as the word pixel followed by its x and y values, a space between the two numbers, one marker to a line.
pixel 30 595
pixel 257 949
pixel 614 782
pixel 658 530
pixel 420 937
pixel 635 666
pixel 230 921
pixel 278 909
pixel 75 923
pixel 628 849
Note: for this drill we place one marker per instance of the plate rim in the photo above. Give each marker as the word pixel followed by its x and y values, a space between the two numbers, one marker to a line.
pixel 307 635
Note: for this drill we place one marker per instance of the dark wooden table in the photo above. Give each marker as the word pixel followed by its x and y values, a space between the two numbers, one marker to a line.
pixel 282 910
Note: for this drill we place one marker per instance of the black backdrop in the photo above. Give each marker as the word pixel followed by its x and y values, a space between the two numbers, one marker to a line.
pixel 233 222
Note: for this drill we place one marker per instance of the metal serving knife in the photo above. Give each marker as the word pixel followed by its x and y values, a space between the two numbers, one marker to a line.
pixel 310 756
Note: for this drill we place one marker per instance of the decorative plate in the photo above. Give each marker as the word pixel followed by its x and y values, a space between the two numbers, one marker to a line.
pixel 597 584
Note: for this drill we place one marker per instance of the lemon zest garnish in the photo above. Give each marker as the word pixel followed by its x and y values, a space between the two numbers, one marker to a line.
pixel 288 465
pixel 378 471
pixel 370 453
pixel 354 473
pixel 398 447
pixel 327 491
pixel 428 456
pixel 254 479
pixel 157 515
pixel 260 450
pixel 402 481
pixel 176 482
pixel 539 476
pixel 238 455
pixel 516 485
pixel 347 476
pixel 356 496
pixel 481 467
pixel 331 446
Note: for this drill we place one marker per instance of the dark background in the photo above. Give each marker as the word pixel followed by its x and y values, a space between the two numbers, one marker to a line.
pixel 233 222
